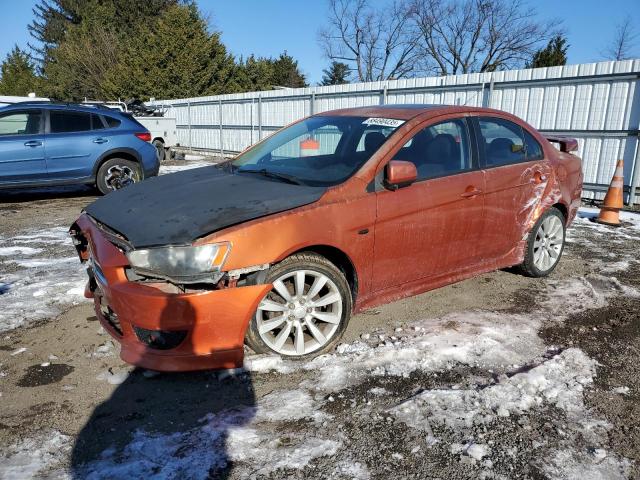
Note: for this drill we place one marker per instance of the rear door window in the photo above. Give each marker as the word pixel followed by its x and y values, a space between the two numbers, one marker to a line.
pixel 68 122
pixel 502 141
pixel 20 122
pixel 438 150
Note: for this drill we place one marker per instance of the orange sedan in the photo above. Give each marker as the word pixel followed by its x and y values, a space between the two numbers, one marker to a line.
pixel 331 215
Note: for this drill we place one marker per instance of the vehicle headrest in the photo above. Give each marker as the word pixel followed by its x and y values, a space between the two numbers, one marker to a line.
pixel 441 148
pixel 501 148
pixel 373 141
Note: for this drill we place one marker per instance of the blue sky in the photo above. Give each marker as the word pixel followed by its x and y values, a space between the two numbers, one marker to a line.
pixel 268 27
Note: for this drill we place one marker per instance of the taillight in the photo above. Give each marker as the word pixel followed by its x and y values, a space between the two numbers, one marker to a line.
pixel 144 136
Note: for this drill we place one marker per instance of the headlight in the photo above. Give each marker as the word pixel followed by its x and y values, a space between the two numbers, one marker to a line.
pixel 182 264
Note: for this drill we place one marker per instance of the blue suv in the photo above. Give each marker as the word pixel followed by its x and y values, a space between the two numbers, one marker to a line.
pixel 47 143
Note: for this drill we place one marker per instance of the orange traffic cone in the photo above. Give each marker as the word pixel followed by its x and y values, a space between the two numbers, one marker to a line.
pixel 613 201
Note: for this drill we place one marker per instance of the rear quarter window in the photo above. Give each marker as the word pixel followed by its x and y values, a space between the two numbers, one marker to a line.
pixel 112 122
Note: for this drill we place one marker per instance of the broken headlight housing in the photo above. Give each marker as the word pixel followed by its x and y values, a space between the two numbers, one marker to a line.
pixel 188 264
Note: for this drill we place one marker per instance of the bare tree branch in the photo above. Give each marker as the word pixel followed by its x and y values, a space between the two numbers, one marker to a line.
pixel 624 41
pixel 463 36
pixel 378 44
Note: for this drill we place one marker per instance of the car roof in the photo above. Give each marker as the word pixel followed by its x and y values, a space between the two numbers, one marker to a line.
pixel 406 111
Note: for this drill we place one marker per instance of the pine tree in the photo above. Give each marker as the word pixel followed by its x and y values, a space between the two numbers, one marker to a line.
pixel 177 57
pixel 17 74
pixel 555 53
pixel 286 72
pixel 337 74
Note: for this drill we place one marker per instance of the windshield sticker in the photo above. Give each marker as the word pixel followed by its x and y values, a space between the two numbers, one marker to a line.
pixel 383 122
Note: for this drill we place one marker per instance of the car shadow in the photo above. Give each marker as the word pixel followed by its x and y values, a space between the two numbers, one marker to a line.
pixel 164 425
pixel 21 195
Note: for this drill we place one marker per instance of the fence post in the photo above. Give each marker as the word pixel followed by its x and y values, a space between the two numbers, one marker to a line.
pixel 189 124
pixel 221 134
pixel 312 104
pixel 251 119
pixel 383 96
pixel 635 180
pixel 259 117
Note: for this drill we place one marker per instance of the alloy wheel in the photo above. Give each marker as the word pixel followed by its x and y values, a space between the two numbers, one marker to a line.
pixel 120 176
pixel 300 314
pixel 547 246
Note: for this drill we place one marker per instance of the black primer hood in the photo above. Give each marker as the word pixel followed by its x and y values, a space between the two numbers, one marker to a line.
pixel 180 207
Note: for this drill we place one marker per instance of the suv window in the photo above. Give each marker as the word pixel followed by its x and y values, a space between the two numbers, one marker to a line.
pixel 112 122
pixel 438 150
pixel 503 142
pixel 66 122
pixel 96 122
pixel 534 149
pixel 20 122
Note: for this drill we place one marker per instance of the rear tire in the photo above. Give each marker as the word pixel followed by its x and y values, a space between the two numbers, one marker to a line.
pixel 117 173
pixel 306 311
pixel 159 144
pixel 545 244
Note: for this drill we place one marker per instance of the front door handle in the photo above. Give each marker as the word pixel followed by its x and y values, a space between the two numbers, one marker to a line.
pixel 471 192
pixel 100 140
pixel 33 143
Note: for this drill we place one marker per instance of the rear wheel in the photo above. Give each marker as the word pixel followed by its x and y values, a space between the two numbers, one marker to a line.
pixel 545 244
pixel 117 173
pixel 306 311
pixel 159 144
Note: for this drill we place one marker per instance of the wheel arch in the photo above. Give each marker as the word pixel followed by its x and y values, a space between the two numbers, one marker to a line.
pixel 339 258
pixel 125 153
pixel 161 139
pixel 563 210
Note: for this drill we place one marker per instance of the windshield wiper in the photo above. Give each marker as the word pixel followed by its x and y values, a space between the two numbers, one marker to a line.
pixel 266 173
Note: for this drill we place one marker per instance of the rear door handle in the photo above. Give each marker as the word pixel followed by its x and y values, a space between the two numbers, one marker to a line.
pixel 100 140
pixel 538 178
pixel 33 143
pixel 471 192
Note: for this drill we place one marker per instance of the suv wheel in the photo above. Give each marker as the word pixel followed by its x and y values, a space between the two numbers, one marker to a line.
pixel 545 244
pixel 117 173
pixel 306 311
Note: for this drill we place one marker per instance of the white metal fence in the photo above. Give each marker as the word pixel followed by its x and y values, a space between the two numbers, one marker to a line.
pixel 598 103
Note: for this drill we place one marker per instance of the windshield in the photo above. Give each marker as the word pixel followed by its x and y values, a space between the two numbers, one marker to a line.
pixel 318 151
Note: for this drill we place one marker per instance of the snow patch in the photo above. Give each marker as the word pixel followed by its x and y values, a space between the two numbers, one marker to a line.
pixel 33 456
pixel 187 165
pixel 558 381
pixel 47 278
pixel 571 464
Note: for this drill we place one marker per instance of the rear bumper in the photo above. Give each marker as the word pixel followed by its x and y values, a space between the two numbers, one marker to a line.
pixel 150 162
pixel 211 324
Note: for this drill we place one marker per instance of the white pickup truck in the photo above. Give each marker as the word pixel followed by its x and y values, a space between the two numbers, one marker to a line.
pixel 164 133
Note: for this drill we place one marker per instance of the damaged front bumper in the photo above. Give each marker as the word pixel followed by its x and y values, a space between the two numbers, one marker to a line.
pixel 158 326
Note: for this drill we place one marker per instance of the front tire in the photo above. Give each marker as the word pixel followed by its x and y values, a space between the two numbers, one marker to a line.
pixel 545 244
pixel 306 311
pixel 117 173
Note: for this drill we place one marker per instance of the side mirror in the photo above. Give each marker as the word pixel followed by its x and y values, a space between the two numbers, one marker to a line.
pixel 399 174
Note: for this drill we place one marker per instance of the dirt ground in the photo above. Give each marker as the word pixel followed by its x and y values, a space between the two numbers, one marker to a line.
pixel 71 409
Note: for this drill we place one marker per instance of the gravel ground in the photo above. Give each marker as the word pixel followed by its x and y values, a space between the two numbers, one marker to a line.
pixel 500 376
